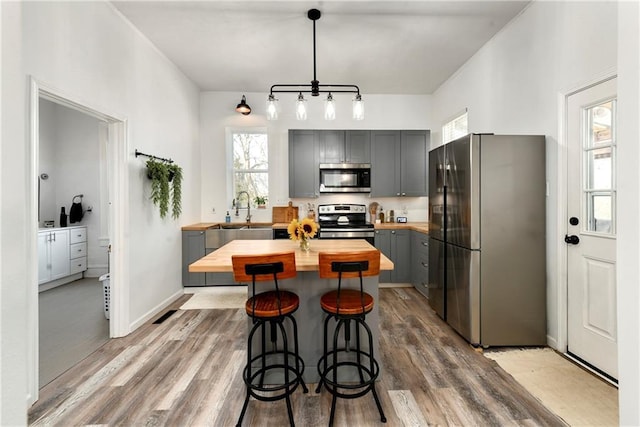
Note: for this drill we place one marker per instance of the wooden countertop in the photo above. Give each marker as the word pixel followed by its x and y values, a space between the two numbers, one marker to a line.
pixel 202 226
pixel 422 227
pixel 220 259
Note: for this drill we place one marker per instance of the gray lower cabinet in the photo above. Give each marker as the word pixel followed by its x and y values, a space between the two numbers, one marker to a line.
pixel 196 244
pixel 407 174
pixel 396 245
pixel 420 261
pixel 193 248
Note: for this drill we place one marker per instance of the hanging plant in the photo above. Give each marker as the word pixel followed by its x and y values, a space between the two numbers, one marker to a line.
pixel 161 174
pixel 158 172
pixel 176 190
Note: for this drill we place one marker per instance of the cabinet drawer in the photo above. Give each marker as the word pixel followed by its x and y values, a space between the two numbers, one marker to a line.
pixel 78 250
pixel 77 265
pixel 77 235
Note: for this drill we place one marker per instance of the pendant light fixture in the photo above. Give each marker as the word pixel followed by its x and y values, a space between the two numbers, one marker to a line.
pixel 315 89
pixel 243 108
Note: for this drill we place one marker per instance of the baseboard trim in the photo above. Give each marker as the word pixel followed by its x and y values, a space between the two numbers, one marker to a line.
pixel 395 285
pixel 59 282
pixel 155 310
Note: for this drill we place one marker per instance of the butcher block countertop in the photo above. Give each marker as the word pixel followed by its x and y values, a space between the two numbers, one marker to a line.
pixel 422 227
pixel 220 259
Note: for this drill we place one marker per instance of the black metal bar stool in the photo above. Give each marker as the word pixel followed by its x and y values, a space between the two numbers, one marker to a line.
pixel 348 306
pixel 269 311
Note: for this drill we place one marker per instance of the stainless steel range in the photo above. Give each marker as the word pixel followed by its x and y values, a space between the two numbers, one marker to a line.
pixel 344 221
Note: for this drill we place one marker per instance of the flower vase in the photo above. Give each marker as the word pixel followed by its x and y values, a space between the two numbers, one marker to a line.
pixel 304 245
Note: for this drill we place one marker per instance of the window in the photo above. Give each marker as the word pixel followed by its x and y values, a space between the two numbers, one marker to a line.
pixel 250 163
pixel 599 163
pixel 455 128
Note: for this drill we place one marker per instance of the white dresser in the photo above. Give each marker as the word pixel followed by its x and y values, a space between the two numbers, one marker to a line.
pixel 62 255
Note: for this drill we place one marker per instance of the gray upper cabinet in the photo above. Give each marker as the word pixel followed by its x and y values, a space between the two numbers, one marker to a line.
pixel 304 163
pixel 385 170
pixel 339 146
pixel 358 146
pixel 399 163
pixel 414 155
pixel 331 146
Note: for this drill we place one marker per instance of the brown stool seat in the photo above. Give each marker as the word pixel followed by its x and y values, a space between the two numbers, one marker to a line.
pixel 350 302
pixel 266 304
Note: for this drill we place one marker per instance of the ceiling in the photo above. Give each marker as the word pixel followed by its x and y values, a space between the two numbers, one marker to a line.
pixel 384 47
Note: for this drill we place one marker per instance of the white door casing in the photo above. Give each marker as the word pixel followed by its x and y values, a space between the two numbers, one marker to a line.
pixel 591 227
pixel 117 153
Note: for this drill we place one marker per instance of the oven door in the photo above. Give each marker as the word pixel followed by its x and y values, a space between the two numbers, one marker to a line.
pixel 367 234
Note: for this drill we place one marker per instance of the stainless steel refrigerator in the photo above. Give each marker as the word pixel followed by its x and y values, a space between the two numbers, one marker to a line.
pixel 487 261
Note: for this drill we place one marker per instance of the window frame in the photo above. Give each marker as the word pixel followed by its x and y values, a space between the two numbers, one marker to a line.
pixel 449 129
pixel 231 171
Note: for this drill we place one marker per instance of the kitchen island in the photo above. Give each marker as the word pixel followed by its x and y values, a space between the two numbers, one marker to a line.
pixel 307 285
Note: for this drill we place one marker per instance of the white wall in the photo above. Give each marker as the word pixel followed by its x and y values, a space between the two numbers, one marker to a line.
pixel 628 248
pixel 70 155
pixel 513 84
pixel 217 113
pixel 88 52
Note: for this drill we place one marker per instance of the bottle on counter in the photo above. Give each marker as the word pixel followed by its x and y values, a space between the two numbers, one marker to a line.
pixel 391 216
pixel 227 218
pixel 381 215
pixel 63 218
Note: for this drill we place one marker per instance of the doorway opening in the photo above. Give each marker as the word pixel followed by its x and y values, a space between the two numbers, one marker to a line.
pixel 101 182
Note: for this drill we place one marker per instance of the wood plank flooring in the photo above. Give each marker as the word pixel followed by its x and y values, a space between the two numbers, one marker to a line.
pixel 186 372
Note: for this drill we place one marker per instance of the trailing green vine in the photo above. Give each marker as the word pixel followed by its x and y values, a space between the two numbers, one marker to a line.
pixel 176 189
pixel 160 174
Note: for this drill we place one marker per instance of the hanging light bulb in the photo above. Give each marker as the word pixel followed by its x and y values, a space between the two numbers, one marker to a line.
pixel 272 108
pixel 243 108
pixel 329 108
pixel 358 108
pixel 301 108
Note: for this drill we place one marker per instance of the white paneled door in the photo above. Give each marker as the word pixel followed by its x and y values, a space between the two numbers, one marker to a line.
pixel 591 227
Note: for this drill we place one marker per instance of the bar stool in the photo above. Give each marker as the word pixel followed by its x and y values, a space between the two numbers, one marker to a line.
pixel 347 306
pixel 269 310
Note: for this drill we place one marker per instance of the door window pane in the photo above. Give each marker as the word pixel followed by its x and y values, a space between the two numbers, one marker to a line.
pixel 599 168
pixel 600 206
pixel 599 163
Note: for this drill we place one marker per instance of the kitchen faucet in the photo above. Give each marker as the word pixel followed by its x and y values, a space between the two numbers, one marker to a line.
pixel 248 205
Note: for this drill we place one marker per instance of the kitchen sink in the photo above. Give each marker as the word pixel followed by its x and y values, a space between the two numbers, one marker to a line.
pixel 241 226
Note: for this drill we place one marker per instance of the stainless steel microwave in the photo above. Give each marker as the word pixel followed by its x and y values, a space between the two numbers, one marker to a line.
pixel 345 178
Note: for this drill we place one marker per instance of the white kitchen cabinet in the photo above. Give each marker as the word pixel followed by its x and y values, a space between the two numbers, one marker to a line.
pixel 62 253
pixel 53 255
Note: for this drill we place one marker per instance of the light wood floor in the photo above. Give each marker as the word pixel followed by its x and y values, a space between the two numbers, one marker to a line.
pixel 72 325
pixel 186 371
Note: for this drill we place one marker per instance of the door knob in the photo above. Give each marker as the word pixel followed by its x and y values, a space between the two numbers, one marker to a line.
pixel 572 240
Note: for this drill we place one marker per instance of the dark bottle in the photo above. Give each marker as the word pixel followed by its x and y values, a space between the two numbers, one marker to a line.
pixel 63 218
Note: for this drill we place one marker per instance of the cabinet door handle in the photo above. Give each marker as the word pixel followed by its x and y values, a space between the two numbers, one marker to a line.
pixel 424 264
pixel 425 244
